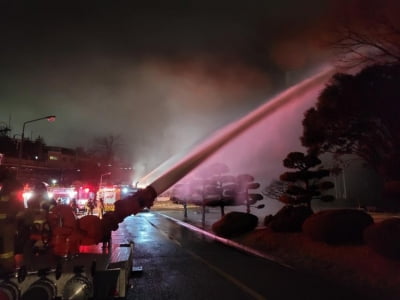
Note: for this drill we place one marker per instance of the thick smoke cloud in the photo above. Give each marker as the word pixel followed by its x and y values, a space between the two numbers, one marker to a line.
pixel 164 80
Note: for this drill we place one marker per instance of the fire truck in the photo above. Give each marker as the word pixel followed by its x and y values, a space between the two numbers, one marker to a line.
pixel 62 195
pixel 110 194
pixel 84 194
pixel 92 272
pixel 65 195
pixel 70 257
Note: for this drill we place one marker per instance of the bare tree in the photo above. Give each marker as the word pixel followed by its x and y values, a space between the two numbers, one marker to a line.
pixel 4 129
pixel 371 42
pixel 107 147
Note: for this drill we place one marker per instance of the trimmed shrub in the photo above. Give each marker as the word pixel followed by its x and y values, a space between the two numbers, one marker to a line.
pixel 234 224
pixel 392 188
pixel 267 219
pixel 338 226
pixel 288 219
pixel 384 237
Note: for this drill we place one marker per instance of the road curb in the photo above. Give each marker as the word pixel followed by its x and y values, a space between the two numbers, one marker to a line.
pixel 228 242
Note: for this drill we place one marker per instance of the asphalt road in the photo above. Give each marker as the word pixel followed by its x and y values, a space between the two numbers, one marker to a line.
pixel 179 263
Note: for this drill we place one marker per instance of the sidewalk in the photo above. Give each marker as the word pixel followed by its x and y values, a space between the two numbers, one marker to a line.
pixel 213 214
pixel 195 215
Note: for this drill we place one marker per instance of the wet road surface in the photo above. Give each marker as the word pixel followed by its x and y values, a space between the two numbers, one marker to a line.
pixel 179 263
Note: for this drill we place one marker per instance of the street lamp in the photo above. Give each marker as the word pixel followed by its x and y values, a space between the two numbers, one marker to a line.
pixel 48 118
pixel 101 178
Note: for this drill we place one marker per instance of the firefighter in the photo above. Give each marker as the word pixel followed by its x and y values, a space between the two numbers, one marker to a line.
pixel 40 198
pixel 74 206
pixel 11 208
pixel 101 207
pixel 36 217
pixel 90 206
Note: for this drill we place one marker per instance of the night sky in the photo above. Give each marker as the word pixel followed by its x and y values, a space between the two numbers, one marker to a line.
pixel 162 77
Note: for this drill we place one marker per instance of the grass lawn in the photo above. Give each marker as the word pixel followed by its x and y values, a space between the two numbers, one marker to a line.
pixel 357 266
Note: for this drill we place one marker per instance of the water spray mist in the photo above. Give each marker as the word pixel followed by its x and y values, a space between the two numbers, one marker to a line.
pixel 171 175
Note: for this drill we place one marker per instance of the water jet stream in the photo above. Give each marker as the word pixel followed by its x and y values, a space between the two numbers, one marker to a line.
pixel 158 184
pixel 178 171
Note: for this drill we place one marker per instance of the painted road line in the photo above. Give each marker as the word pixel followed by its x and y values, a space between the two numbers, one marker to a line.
pixel 229 242
pixel 222 273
